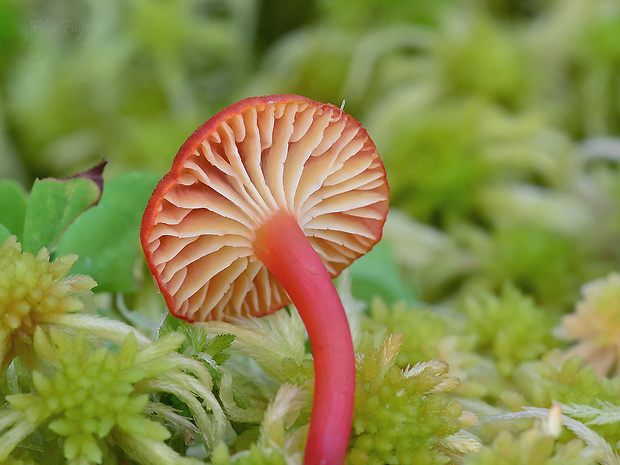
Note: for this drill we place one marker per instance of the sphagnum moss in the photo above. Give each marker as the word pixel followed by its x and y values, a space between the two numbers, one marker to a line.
pixel 31 289
pixel 94 400
pixel 403 415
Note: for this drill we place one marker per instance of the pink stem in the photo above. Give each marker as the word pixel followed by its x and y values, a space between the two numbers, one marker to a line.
pixel 284 249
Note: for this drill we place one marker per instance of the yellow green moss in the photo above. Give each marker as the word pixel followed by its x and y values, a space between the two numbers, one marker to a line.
pixel 31 288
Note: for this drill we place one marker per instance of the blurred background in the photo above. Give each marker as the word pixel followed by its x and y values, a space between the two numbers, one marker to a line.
pixel 498 120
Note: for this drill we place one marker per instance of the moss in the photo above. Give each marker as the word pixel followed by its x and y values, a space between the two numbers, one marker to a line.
pixel 541 384
pixel 403 416
pixel 91 393
pixel 441 188
pixel 31 289
pixel 422 328
pixel 509 328
pixel 542 263
pixel 93 399
pixel 253 456
pixel 531 447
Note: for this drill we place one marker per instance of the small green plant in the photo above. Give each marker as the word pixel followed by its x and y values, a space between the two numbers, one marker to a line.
pixel 508 328
pixel 34 292
pixel 95 400
pixel 404 415
pixel 534 445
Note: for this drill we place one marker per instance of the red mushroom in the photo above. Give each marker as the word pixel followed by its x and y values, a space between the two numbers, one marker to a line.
pixel 266 203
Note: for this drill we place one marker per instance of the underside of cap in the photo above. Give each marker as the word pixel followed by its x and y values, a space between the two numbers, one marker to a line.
pixel 257 158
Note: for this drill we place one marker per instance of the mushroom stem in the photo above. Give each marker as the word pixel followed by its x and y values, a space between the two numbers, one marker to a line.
pixel 286 252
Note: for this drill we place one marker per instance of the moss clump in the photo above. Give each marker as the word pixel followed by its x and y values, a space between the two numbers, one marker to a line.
pixel 540 384
pixel 509 328
pixel 547 265
pixel 422 329
pixel 94 400
pixel 530 447
pixel 439 189
pixel 31 289
pixel 404 416
pixel 255 455
pixel 91 393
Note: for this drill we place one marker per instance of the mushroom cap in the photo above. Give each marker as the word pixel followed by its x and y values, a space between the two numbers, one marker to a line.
pixel 256 158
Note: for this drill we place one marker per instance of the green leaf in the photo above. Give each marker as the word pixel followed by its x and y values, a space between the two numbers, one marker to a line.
pixel 55 203
pixel 4 233
pixel 376 274
pixel 13 202
pixel 106 237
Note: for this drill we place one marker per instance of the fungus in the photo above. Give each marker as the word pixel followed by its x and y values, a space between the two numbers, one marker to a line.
pixel 265 203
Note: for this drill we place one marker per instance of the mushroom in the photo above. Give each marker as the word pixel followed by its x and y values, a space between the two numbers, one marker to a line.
pixel 265 203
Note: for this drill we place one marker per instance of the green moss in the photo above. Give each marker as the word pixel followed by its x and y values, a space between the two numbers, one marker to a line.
pixel 372 13
pixel 253 456
pixel 94 399
pixel 478 56
pixel 20 459
pixel 91 393
pixel 31 289
pixel 440 188
pixel 509 328
pixel 422 329
pixel 530 447
pixel 540 262
pixel 542 384
pixel 402 416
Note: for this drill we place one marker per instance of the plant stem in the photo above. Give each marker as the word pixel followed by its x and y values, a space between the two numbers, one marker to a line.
pixel 283 248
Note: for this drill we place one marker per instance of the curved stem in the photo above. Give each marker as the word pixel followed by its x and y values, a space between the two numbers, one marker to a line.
pixel 284 249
